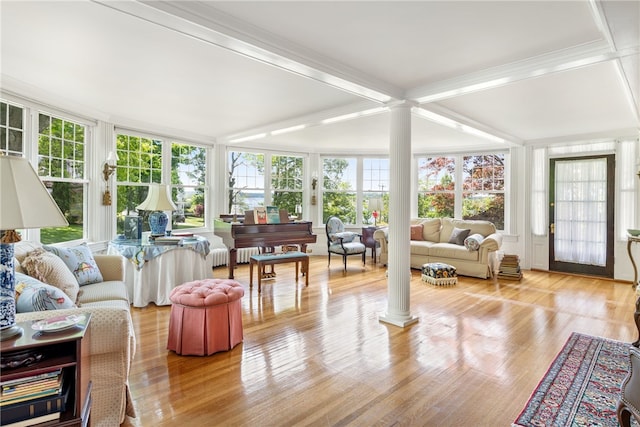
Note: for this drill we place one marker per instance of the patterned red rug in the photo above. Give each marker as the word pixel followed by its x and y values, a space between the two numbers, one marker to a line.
pixel 582 386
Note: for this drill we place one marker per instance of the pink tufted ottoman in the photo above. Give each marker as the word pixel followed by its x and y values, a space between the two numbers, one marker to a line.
pixel 206 317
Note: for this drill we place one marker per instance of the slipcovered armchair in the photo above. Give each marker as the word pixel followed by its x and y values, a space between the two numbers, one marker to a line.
pixel 341 242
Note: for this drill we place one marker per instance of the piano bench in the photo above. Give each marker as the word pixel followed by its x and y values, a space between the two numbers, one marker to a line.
pixel 278 258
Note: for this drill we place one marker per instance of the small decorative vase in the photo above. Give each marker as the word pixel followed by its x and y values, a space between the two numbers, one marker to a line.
pixel 158 221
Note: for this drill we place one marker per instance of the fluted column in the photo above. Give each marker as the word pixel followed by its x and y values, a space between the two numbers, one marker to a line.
pixel 398 281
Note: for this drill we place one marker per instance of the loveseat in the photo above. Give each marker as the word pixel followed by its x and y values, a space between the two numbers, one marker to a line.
pixel 113 343
pixel 431 241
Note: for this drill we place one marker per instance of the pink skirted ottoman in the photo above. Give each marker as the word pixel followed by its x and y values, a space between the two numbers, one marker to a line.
pixel 206 317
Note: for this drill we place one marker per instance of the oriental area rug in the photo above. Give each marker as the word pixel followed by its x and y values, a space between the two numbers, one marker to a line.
pixel 581 387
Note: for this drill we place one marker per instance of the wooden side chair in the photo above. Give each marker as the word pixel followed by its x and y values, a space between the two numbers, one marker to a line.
pixel 343 243
pixel 629 402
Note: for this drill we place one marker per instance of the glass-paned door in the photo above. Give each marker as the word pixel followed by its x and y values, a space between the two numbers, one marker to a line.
pixel 581 213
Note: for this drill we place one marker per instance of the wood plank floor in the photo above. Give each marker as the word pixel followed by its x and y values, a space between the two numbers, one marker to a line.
pixel 319 355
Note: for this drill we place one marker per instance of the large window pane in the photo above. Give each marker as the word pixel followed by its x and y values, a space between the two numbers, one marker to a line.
pixel 139 164
pixel 286 182
pixel 61 151
pixel 188 172
pixel 339 189
pixel 246 181
pixel 483 188
pixel 436 187
pixel 375 191
pixel 11 129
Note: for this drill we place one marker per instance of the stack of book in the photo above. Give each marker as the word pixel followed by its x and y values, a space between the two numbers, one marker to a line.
pixel 510 268
pixel 32 399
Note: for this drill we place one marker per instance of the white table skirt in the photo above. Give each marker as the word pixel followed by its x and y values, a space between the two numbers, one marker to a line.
pixel 158 276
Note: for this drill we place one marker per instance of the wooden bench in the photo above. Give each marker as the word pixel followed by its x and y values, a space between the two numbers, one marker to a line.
pixel 278 258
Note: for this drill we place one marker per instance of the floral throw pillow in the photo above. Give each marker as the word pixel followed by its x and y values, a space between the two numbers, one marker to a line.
pixel 472 243
pixel 80 261
pixel 33 295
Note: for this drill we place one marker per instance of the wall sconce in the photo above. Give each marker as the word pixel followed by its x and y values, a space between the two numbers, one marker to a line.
pixel 314 183
pixel 108 169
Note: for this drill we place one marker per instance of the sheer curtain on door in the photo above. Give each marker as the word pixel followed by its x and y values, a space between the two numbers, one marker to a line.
pixel 581 211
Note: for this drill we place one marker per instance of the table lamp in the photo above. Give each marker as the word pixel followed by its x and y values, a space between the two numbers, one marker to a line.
pixel 375 206
pixel 26 203
pixel 157 201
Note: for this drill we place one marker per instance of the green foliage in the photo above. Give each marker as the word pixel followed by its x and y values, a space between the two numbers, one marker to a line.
pixel 61 234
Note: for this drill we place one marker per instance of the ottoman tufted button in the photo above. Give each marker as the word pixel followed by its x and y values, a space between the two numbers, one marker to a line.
pixel 206 317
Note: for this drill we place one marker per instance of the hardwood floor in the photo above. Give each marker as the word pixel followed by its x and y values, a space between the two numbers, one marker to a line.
pixel 319 355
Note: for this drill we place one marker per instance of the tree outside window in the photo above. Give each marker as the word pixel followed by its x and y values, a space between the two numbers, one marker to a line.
pixel 483 188
pixel 188 177
pixel 339 189
pixel 286 181
pixel 436 186
pixel 139 164
pixel 246 181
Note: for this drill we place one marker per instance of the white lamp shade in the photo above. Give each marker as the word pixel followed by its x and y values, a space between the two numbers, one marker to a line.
pixel 25 201
pixel 375 205
pixel 157 200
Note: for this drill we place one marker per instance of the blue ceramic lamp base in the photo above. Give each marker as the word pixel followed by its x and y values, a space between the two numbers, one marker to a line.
pixel 158 221
pixel 8 328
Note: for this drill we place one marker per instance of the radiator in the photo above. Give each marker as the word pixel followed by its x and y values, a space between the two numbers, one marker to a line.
pixel 220 255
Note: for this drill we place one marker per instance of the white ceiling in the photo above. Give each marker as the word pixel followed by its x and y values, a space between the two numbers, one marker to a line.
pixel 525 71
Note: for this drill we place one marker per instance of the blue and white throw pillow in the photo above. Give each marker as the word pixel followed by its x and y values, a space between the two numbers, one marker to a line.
pixel 33 295
pixel 80 261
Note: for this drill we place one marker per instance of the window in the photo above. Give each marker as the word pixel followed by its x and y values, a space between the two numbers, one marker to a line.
pixel 286 181
pixel 436 187
pixel 246 181
pixel 61 165
pixel 11 129
pixel 483 188
pixel 188 166
pixel 480 196
pixel 375 188
pixel 339 190
pixel 139 164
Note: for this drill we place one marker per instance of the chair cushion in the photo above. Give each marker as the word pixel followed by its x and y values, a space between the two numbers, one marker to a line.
pixel 349 248
pixel 345 236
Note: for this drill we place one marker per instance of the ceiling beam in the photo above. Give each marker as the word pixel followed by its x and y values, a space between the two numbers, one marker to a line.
pixel 562 60
pixel 204 22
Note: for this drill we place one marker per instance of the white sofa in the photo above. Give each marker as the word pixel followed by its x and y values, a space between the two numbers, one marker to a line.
pixel 435 246
pixel 113 340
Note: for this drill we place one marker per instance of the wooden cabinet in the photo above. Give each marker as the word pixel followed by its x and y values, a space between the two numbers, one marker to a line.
pixel 65 348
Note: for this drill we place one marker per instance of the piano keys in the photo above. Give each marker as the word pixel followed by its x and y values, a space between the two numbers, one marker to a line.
pixel 237 236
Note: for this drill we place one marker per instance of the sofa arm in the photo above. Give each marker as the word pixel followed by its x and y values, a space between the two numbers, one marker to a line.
pixel 381 235
pixel 111 327
pixel 111 266
pixel 491 243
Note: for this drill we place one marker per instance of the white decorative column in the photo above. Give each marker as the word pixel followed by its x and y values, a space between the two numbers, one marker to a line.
pixel 399 274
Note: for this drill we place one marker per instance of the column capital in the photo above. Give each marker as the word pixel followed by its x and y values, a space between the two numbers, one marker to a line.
pixel 403 103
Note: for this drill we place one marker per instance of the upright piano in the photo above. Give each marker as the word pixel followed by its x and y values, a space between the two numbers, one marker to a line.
pixel 236 236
